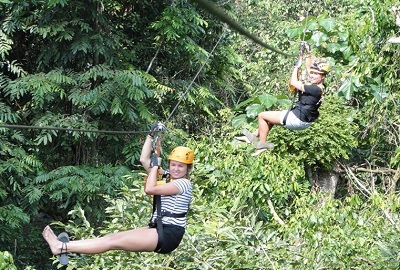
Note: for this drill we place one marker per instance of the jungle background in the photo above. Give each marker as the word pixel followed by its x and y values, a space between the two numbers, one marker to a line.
pixel 323 198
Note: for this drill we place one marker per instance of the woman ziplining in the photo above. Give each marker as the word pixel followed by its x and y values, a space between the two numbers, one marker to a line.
pixel 172 192
pixel 302 113
pixel 310 93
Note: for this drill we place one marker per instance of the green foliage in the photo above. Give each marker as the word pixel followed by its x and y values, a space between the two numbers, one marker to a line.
pixel 332 137
pixel 16 166
pixel 231 225
pixel 257 104
pixel 177 22
pixel 319 236
pixel 260 178
pixel 373 62
pixel 371 84
pixel 7 115
pixel 68 186
pixel 119 65
pixel 70 100
pixel 13 67
pixel 197 51
pixel 11 218
pixel 7 261
pixel 93 91
pixel 379 144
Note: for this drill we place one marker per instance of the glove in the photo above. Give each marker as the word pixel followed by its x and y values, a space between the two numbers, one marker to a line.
pixel 154 160
pixel 297 64
pixel 157 127
pixel 306 47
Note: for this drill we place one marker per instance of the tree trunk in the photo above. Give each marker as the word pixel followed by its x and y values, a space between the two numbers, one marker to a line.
pixel 323 180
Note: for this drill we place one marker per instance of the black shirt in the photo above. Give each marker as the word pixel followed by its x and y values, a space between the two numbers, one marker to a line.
pixel 309 101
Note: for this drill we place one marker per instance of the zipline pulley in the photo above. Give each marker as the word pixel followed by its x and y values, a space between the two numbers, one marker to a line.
pixel 302 48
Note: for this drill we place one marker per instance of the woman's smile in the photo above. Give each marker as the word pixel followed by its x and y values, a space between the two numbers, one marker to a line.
pixel 177 169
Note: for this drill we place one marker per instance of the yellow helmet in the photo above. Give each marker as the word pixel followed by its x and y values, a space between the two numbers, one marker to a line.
pixel 320 66
pixel 182 154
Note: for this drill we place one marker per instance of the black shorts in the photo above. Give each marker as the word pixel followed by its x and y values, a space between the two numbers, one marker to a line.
pixel 173 235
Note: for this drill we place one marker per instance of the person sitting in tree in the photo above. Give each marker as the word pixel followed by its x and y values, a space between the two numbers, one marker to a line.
pixel 303 113
pixel 175 194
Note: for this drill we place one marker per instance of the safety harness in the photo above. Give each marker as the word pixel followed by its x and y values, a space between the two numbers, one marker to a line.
pixel 157 223
pixel 304 106
pixel 165 178
pixel 290 109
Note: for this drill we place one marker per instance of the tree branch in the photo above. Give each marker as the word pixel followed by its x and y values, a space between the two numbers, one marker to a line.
pixel 154 58
pixel 274 214
pixel 362 169
pixel 368 193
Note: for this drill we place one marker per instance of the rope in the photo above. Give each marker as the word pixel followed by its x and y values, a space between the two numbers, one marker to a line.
pixel 302 77
pixel 213 9
pixel 195 77
pixel 120 132
pixel 70 129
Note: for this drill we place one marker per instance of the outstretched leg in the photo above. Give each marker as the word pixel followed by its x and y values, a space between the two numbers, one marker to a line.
pixel 141 239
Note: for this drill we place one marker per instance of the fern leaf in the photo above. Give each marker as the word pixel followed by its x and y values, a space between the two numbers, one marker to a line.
pixel 33 194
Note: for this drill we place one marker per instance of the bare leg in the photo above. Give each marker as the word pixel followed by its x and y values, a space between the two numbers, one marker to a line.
pixel 266 120
pixel 141 239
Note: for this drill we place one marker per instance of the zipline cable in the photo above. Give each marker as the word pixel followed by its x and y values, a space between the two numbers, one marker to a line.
pixel 211 8
pixel 70 129
pixel 195 77
pixel 113 131
pixel 214 10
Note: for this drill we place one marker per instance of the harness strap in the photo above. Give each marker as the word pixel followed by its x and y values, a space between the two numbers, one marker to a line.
pixel 160 229
pixel 173 215
pixel 290 108
pixel 160 215
pixel 302 104
pixel 157 198
pixel 285 118
pixel 323 86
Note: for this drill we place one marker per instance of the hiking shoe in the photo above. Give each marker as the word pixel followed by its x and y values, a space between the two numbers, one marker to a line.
pixel 263 145
pixel 243 139
pixel 250 136
pixel 259 151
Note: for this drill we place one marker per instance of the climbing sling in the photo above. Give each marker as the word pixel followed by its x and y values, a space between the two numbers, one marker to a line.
pixel 290 109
